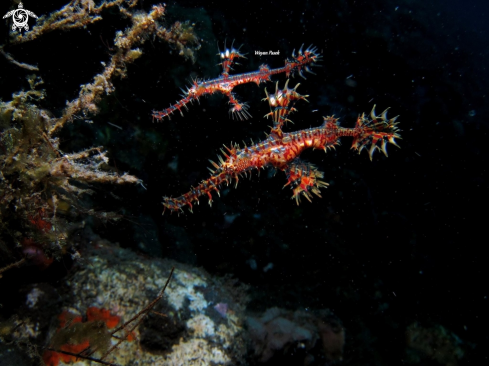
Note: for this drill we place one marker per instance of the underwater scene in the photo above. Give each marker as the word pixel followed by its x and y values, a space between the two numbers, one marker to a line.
pixel 244 183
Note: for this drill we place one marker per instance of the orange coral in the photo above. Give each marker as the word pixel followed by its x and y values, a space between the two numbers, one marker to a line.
pixel 67 320
pixel 73 348
pixel 51 358
pixel 94 313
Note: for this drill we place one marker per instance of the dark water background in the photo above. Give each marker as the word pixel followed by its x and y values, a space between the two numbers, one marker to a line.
pixel 394 241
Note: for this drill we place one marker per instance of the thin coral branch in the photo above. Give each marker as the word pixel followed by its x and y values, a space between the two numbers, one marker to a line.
pixel 139 316
pixel 180 36
pixel 65 167
pixel 11 265
pixel 46 138
pixel 82 357
pixel 75 14
pixel 143 25
pixel 11 59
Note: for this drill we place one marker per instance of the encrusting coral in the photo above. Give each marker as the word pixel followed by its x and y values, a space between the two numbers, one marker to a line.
pixel 74 336
pixel 40 185
pixel 183 328
pixel 75 339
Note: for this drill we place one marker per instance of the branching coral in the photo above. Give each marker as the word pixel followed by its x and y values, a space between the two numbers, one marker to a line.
pixel 143 25
pixel 75 14
pixel 40 185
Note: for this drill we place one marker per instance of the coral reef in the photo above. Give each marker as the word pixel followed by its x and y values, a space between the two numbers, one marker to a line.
pixel 74 336
pixel 184 328
pixel 200 319
pixel 41 187
pixel 422 265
